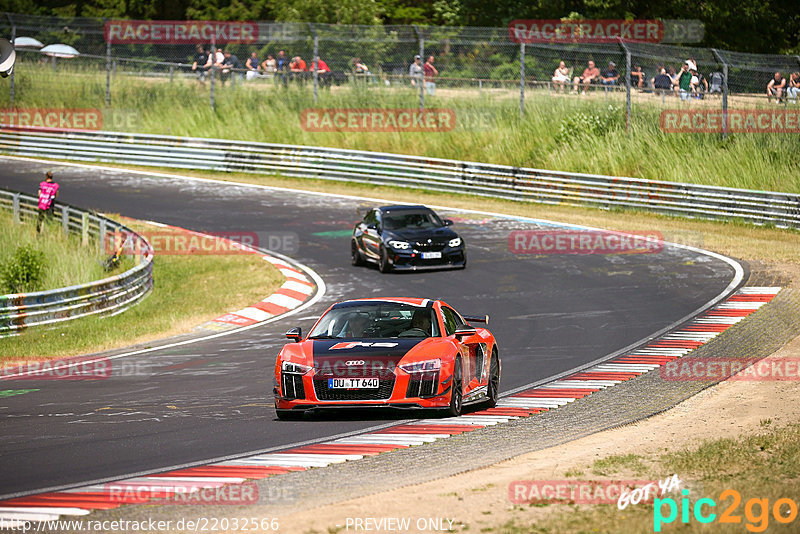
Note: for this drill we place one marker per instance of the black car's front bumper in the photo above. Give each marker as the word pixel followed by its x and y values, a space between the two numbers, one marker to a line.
pixel 411 260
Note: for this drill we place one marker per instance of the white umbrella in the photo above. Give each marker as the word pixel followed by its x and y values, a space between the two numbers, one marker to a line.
pixel 59 50
pixel 27 42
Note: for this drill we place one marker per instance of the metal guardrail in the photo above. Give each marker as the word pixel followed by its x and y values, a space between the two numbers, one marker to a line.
pixel 499 181
pixel 110 295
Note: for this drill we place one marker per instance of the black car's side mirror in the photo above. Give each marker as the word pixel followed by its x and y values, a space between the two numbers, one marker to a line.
pixel 295 334
pixel 464 330
pixel 448 222
pixel 372 226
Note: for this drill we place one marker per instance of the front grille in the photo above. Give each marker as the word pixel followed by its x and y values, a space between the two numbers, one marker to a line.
pixel 423 384
pixel 384 391
pixel 292 386
pixel 433 246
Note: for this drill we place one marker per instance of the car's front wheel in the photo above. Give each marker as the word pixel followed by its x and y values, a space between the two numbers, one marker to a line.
pixel 355 255
pixel 383 262
pixel 493 387
pixel 457 392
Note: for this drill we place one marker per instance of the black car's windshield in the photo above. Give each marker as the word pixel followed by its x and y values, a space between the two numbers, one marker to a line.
pixel 416 219
pixel 376 320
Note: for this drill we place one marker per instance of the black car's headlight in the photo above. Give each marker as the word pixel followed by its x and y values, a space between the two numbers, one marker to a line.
pixel 399 245
pixel 455 242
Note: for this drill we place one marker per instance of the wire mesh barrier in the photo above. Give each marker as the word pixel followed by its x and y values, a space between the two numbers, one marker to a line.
pixel 110 295
pixel 120 66
pixel 499 181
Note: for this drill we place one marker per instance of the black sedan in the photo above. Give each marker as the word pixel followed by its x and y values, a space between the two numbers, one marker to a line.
pixel 407 238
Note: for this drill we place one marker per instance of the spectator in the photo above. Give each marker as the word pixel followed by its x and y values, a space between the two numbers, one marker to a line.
pixel 298 64
pixel 230 65
pixel 415 70
pixel 48 191
pixel 716 82
pixel 590 75
pixel 362 71
pixel 430 73
pixel 253 66
pixel 793 87
pixel 323 71
pixel 200 62
pixel 282 63
pixel 662 83
pixel 699 84
pixel 215 60
pixel 638 77
pixel 270 66
pixel 609 76
pixel 775 88
pixel 684 81
pixel 561 77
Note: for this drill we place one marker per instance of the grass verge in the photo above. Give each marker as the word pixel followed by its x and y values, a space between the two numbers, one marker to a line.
pixel 563 132
pixel 188 290
pixel 761 468
pixel 66 261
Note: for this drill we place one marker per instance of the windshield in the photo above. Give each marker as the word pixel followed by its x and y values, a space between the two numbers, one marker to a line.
pixel 376 320
pixel 416 219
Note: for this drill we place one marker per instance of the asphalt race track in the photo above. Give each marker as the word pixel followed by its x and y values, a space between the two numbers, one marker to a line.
pixel 213 398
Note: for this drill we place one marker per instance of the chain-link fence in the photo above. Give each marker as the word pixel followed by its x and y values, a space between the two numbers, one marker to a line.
pixel 376 62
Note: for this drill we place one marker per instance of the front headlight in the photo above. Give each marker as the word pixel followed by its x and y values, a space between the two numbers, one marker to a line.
pixel 455 242
pixel 422 367
pixel 399 245
pixel 294 368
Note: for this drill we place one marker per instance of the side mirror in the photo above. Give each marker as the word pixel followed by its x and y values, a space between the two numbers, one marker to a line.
pixel 295 334
pixel 372 226
pixel 448 222
pixel 464 330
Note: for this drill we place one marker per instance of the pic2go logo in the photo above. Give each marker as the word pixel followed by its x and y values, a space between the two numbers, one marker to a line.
pixel 756 511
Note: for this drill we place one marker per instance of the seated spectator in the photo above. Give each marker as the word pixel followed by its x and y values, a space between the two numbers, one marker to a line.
pixel 637 77
pixel 698 83
pixel 323 71
pixel 793 87
pixel 775 87
pixel 609 76
pixel 590 75
pixel 230 65
pixel 684 81
pixel 361 70
pixel 200 63
pixel 662 83
pixel 561 77
pixel 415 70
pixel 215 60
pixel 270 66
pixel 252 66
pixel 716 82
pixel 297 65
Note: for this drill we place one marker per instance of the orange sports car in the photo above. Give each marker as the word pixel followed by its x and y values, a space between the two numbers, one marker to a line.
pixel 388 352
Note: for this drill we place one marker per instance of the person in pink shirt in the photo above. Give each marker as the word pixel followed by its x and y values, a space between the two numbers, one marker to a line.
pixel 48 191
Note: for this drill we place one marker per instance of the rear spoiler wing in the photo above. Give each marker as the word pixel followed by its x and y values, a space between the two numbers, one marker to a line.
pixel 476 318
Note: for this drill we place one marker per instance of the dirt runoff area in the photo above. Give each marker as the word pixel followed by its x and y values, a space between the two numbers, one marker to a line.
pixel 478 501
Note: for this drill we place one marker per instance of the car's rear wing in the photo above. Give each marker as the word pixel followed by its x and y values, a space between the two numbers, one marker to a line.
pixel 476 318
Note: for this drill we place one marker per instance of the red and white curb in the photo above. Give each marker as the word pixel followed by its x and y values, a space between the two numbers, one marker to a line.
pixel 676 344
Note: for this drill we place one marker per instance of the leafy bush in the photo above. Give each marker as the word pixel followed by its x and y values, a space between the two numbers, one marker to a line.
pixel 592 123
pixel 23 271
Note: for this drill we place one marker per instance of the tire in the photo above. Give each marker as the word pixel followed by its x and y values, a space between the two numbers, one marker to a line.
pixel 493 387
pixel 383 262
pixel 457 392
pixel 355 255
pixel 289 415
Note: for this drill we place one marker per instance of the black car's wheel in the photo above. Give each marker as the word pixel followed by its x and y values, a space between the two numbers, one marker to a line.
pixel 383 263
pixel 457 394
pixel 493 387
pixel 355 255
pixel 289 415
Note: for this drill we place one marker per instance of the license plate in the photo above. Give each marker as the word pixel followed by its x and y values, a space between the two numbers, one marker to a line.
pixel 352 383
pixel 431 255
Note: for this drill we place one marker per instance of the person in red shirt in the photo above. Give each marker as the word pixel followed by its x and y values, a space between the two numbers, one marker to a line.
pixel 430 73
pixel 323 71
pixel 48 191
pixel 591 74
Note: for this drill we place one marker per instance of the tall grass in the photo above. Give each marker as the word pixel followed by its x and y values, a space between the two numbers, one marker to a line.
pixel 489 127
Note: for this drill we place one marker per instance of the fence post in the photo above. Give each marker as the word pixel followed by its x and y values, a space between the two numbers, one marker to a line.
pixel 108 73
pixel 422 59
pixel 65 219
pixel 627 85
pixel 84 228
pixel 213 72
pixel 15 203
pixel 314 66
pixel 13 38
pixel 521 80
pixel 724 92
pixel 101 239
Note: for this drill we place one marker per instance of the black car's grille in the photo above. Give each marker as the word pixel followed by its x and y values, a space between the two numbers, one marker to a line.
pixel 384 391
pixel 292 386
pixel 433 246
pixel 422 384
